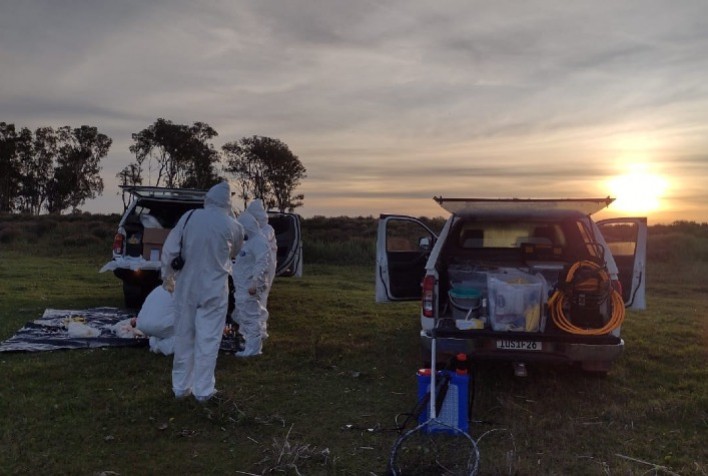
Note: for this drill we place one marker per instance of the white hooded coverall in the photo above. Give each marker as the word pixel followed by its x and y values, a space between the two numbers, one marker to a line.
pixel 256 209
pixel 209 241
pixel 251 282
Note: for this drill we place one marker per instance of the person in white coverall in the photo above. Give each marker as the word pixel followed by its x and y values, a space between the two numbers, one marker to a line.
pixel 251 283
pixel 256 209
pixel 208 239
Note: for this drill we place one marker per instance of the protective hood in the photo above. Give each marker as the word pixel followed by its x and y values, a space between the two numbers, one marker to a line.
pixel 256 209
pixel 219 196
pixel 249 223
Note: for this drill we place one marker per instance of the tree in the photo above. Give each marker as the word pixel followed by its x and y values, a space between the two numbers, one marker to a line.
pixel 76 173
pixel 181 154
pixel 265 168
pixel 9 167
pixel 132 174
pixel 54 169
pixel 37 155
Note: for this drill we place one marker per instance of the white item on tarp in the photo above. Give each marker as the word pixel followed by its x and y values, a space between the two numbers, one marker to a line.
pixel 157 316
pixel 77 329
pixel 125 330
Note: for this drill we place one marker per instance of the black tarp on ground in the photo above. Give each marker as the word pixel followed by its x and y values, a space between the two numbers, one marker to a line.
pixel 50 332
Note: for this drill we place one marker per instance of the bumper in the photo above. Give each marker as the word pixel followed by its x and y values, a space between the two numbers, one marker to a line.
pixel 560 348
pixel 131 264
pixel 135 271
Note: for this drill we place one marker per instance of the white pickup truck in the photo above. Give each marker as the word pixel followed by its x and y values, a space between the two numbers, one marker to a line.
pixel 521 280
pixel 150 216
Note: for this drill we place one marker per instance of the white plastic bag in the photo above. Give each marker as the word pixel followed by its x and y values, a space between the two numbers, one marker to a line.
pixel 125 330
pixel 77 329
pixel 162 346
pixel 157 316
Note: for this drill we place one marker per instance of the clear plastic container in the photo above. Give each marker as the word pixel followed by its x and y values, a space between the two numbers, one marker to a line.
pixel 515 301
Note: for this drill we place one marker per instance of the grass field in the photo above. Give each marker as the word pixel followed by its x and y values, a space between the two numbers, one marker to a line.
pixel 337 371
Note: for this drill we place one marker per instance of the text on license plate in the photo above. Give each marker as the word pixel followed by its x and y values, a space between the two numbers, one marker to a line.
pixel 518 344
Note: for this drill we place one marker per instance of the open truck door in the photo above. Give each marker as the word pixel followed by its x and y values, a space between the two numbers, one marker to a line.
pixel 627 240
pixel 288 235
pixel 403 245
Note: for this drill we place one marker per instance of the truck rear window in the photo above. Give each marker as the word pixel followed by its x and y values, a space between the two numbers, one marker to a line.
pixel 163 213
pixel 508 234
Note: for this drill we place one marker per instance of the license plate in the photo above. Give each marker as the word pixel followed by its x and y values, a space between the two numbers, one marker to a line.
pixel 518 344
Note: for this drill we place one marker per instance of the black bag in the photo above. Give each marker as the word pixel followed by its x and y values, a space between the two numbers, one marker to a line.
pixel 178 261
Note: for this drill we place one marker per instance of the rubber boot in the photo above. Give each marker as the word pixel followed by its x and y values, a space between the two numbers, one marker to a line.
pixel 253 347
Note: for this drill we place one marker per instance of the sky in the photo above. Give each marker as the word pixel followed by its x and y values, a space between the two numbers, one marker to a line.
pixel 389 103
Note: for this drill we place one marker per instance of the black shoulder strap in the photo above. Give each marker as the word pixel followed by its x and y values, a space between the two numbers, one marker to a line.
pixel 184 227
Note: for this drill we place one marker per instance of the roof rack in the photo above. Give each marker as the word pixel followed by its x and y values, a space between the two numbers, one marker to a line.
pixel 165 193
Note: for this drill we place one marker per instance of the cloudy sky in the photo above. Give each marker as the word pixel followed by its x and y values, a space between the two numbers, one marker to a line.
pixel 388 103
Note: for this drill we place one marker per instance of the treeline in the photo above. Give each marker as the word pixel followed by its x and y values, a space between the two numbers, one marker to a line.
pixel 326 240
pixel 50 169
pixel 57 170
pixel 681 241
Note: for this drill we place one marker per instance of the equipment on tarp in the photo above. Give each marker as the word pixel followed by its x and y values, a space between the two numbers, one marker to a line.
pixel 438 444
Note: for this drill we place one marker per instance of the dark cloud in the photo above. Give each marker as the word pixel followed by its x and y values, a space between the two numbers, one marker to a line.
pixel 395 97
pixel 72 112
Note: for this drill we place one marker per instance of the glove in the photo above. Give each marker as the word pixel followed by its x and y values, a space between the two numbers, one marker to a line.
pixel 168 284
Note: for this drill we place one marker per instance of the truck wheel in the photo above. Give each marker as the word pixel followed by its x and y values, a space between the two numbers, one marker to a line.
pixel 133 296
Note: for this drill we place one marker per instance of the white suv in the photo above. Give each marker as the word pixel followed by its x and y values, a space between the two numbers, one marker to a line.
pixel 150 216
pixel 522 280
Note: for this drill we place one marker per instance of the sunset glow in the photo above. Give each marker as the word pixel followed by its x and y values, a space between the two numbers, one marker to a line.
pixel 638 191
pixel 487 99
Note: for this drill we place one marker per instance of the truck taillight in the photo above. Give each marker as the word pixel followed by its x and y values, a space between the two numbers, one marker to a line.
pixel 118 243
pixel 428 301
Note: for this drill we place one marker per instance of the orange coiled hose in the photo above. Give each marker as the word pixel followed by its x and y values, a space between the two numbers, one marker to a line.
pixel 559 298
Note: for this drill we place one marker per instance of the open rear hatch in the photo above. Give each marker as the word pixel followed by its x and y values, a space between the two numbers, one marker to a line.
pixel 521 206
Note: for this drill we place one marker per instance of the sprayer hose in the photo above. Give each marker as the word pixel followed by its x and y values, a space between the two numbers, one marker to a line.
pixel 559 298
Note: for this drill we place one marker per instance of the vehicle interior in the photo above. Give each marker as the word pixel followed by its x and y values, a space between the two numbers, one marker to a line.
pixel 533 245
pixel 152 213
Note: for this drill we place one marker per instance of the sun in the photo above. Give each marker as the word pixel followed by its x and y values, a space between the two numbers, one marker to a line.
pixel 638 191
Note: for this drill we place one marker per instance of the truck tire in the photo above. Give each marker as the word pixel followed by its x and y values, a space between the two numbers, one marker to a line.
pixel 133 296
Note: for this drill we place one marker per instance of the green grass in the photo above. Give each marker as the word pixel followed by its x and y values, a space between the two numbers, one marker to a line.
pixel 335 358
